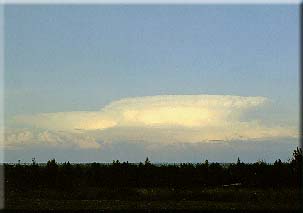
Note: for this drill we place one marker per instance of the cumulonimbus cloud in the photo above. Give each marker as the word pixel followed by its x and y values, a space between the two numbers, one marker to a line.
pixel 164 119
pixel 186 111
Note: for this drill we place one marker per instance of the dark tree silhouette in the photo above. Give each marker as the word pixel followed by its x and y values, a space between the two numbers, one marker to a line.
pixel 296 164
pixel 147 162
pixel 75 180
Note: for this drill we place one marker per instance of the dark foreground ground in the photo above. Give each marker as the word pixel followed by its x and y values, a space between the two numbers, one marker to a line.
pixel 216 198
pixel 126 186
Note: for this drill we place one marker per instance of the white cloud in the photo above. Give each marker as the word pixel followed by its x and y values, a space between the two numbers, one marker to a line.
pixel 159 119
pixel 186 111
pixel 17 138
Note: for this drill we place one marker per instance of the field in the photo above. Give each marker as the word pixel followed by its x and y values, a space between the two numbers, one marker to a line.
pixel 219 198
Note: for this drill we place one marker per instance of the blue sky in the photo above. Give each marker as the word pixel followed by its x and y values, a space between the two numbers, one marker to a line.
pixel 82 58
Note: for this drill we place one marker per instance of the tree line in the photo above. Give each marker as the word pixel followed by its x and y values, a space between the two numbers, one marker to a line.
pixel 68 176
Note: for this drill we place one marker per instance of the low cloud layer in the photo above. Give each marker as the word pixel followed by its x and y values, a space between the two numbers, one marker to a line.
pixel 156 119
pixel 16 138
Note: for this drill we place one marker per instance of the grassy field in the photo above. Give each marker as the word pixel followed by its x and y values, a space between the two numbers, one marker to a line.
pixel 218 198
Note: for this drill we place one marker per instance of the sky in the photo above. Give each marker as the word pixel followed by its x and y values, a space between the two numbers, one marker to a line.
pixel 176 83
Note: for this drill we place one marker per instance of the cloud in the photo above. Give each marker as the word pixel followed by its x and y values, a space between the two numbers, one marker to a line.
pixel 17 138
pixel 185 111
pixel 159 119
